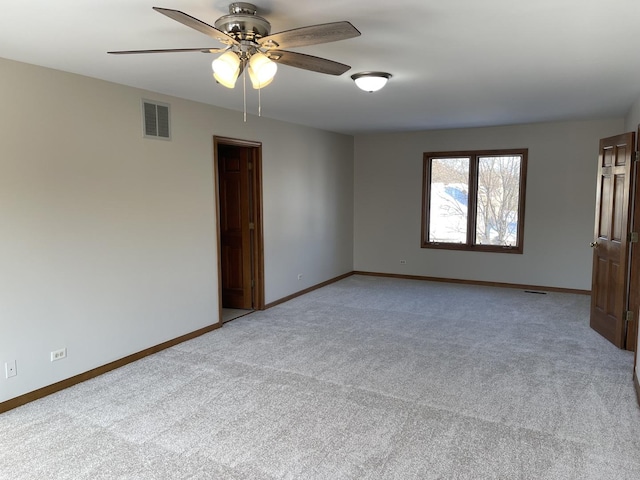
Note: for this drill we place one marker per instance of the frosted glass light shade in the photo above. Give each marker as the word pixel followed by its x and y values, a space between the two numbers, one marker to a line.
pixel 262 70
pixel 371 81
pixel 226 69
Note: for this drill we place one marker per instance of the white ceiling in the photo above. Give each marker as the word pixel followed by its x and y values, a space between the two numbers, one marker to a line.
pixel 455 63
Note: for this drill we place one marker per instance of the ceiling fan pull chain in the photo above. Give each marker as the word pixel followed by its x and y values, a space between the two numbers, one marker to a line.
pixel 259 102
pixel 244 93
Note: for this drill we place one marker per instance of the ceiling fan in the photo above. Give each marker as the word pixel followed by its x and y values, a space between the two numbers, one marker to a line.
pixel 249 43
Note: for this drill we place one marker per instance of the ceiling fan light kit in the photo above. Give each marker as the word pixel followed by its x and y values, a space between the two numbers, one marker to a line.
pixel 226 69
pixel 261 70
pixel 251 46
pixel 371 81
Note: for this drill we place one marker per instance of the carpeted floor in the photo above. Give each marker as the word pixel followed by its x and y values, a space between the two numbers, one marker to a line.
pixel 368 378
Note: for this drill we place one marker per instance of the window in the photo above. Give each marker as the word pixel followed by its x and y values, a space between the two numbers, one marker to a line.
pixel 474 200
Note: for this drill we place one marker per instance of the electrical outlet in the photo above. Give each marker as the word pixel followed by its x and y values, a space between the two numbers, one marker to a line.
pixel 299 276
pixel 403 262
pixel 10 369
pixel 58 354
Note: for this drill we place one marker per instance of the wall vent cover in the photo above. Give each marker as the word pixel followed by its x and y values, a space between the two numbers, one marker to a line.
pixel 155 119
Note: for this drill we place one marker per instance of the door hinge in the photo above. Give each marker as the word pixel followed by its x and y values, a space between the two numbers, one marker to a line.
pixel 636 156
pixel 253 225
pixel 628 316
pixel 633 237
pixel 253 283
pixel 250 166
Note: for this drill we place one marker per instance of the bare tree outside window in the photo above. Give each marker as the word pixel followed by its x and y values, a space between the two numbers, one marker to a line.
pixel 498 200
pixel 474 200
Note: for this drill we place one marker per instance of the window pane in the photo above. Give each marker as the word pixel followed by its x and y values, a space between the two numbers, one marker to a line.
pixel 498 200
pixel 449 198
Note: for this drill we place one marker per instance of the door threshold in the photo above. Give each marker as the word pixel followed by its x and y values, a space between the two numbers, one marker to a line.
pixel 229 314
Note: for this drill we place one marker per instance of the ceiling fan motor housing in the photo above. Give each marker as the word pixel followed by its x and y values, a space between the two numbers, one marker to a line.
pixel 243 23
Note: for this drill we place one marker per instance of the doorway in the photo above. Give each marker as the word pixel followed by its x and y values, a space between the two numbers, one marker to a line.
pixel 238 182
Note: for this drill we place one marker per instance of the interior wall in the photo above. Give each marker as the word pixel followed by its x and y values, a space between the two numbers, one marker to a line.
pixel 108 240
pixel 632 121
pixel 560 203
pixel 308 210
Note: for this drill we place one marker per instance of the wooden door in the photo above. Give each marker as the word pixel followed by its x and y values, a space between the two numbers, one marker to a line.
pixel 609 293
pixel 235 225
pixel 634 277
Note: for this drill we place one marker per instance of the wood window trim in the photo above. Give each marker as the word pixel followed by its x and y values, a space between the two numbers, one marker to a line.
pixel 473 156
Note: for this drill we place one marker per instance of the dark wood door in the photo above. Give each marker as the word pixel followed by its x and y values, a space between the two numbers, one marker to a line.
pixel 235 225
pixel 634 276
pixel 609 292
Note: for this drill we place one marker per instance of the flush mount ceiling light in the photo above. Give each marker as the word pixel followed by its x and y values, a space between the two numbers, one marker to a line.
pixel 371 81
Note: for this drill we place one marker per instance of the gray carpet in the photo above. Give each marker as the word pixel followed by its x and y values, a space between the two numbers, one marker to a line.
pixel 368 378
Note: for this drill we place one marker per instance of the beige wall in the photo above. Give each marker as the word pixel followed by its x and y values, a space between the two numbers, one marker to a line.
pixel 560 203
pixel 108 240
pixel 633 117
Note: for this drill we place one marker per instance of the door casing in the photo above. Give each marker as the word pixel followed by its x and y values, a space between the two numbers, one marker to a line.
pixel 634 280
pixel 257 240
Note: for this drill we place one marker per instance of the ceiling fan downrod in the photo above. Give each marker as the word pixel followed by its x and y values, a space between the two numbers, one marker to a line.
pixel 243 8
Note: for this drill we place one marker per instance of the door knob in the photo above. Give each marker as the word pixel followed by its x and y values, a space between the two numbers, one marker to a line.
pixel 594 244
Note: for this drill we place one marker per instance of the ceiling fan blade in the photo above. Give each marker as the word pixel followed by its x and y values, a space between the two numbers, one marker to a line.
pixel 311 35
pixel 170 50
pixel 307 62
pixel 198 25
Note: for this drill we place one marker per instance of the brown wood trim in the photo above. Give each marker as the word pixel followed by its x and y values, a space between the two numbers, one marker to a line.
pixel 476 282
pixel 307 290
pixel 236 141
pixel 637 385
pixel 631 340
pixel 83 377
pixel 258 237
pixel 216 205
pixel 426 202
pixel 430 279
